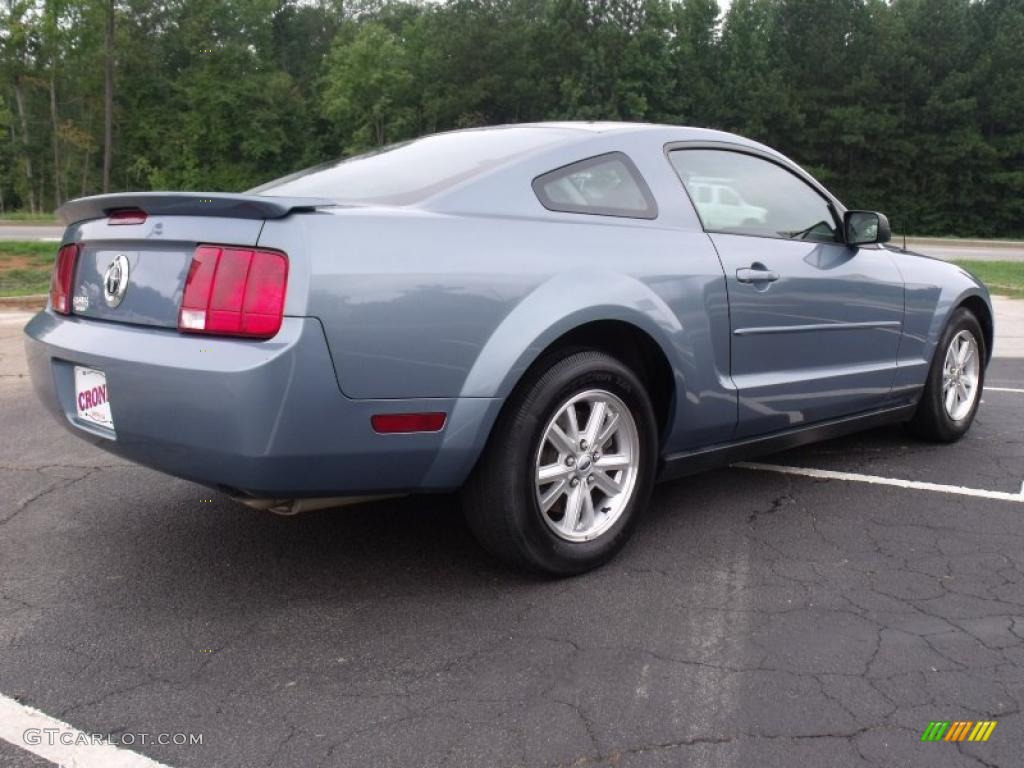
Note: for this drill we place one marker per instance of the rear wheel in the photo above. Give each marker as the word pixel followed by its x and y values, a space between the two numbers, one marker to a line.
pixel 955 381
pixel 569 466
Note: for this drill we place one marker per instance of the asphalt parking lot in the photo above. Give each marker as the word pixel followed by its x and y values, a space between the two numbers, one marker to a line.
pixel 757 618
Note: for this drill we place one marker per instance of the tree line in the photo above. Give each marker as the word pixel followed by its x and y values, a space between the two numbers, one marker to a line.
pixel 913 107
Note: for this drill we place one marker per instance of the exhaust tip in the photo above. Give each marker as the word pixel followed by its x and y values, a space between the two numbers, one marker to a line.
pixel 293 507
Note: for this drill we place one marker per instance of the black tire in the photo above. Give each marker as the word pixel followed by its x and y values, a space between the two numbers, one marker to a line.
pixel 500 499
pixel 931 420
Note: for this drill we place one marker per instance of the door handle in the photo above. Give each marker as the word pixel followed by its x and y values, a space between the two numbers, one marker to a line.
pixel 756 273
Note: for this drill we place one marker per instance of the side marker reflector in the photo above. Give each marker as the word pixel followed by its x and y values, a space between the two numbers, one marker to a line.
pixel 394 423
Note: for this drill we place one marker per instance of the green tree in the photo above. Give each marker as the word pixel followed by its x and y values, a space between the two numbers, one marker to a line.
pixel 908 106
pixel 752 94
pixel 696 62
pixel 366 86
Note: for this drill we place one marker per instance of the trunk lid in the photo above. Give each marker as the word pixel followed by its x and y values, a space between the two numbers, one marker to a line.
pixel 135 273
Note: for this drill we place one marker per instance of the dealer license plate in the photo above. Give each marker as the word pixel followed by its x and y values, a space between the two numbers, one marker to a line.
pixel 92 400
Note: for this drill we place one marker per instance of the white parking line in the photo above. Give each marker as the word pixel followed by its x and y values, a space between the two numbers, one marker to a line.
pixel 60 743
pixel 828 474
pixel 1004 389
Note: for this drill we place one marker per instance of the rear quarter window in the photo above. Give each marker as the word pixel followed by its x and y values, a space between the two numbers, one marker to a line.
pixel 605 185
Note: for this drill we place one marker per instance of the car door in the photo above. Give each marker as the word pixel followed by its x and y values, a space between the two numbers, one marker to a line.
pixel 815 324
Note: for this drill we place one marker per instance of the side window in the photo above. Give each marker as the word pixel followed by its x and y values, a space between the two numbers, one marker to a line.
pixel 753 196
pixel 607 185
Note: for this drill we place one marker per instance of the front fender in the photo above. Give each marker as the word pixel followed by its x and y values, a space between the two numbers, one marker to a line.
pixel 947 305
pixel 934 289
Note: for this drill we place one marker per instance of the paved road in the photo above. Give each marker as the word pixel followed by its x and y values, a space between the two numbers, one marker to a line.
pixel 1009 327
pixel 949 250
pixel 29 232
pixel 757 619
pixel 969 250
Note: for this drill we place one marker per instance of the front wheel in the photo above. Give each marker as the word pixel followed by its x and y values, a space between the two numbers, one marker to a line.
pixel 955 381
pixel 569 467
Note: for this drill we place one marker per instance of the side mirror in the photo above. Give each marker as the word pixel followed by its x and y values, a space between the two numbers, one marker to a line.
pixel 864 227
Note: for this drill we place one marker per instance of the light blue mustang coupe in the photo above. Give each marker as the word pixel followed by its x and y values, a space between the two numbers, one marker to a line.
pixel 550 317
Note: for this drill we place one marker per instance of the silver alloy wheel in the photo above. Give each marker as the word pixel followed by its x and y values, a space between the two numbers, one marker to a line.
pixel 960 375
pixel 586 465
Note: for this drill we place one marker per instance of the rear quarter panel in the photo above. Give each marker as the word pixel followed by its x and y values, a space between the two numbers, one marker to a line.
pixel 426 304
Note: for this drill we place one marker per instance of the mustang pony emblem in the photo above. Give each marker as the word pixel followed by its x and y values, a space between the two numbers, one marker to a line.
pixel 115 280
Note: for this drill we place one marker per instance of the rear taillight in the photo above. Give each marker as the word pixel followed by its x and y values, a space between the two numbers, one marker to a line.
pixel 234 292
pixel 60 283
pixel 127 216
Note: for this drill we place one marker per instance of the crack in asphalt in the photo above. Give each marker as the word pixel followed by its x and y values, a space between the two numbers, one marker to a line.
pixel 613 758
pixel 59 485
pixel 776 504
pixel 272 759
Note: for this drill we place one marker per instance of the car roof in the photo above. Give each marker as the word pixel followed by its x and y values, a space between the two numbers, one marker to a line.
pixel 686 132
pixel 593 126
pixel 591 129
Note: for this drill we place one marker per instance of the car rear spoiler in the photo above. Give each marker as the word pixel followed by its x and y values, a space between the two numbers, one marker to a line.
pixel 238 206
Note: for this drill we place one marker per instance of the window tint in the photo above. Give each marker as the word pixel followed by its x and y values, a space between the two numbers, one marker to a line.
pixel 608 185
pixel 406 173
pixel 754 196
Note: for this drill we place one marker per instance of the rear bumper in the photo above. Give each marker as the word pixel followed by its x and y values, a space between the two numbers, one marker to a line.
pixel 261 418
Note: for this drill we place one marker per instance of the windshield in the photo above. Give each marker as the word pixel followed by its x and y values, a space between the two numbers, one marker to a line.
pixel 402 174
